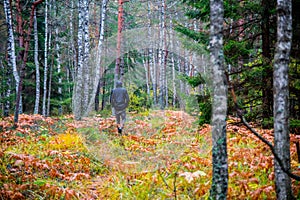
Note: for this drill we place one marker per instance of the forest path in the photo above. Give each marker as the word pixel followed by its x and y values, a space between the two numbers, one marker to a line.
pixel 148 144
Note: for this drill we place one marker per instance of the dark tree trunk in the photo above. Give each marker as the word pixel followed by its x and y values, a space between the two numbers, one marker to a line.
pixel 267 80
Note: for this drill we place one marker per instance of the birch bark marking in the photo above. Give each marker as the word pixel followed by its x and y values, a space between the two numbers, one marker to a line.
pixel 58 70
pixel 86 64
pixel 77 109
pixel 98 56
pixel 37 66
pixel 45 60
pixel 11 42
pixel 161 57
pixel 219 108
pixel 281 95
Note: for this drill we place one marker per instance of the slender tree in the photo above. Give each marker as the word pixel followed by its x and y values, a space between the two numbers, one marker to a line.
pixel 11 43
pixel 96 84
pixel 77 98
pixel 119 41
pixel 45 61
pixel 86 57
pixel 219 107
pixel 37 66
pixel 281 98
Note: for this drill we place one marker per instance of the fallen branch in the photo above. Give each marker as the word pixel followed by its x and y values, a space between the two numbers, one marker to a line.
pixel 269 144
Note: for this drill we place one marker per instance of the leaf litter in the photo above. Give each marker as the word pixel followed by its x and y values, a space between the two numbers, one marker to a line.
pixel 162 155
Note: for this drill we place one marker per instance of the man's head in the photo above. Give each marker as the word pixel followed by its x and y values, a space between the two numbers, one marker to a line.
pixel 119 84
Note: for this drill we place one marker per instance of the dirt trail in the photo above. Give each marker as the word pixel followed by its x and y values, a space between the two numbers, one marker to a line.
pixel 149 142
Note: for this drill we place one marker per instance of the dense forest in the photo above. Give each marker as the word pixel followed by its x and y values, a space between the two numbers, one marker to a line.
pixel 216 60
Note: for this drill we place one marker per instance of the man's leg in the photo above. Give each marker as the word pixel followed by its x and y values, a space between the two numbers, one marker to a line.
pixel 123 118
pixel 118 118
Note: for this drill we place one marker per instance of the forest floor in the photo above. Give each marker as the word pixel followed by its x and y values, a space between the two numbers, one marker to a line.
pixel 160 155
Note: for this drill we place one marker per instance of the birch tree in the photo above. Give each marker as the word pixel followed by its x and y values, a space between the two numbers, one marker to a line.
pixel 219 106
pixel 161 56
pixel 98 54
pixel 86 63
pixel 11 42
pixel 45 60
pixel 77 100
pixel 37 66
pixel 58 60
pixel 281 98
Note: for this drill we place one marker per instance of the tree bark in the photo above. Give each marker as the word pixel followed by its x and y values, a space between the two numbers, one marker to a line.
pixel 97 81
pixel 119 42
pixel 77 105
pixel 266 52
pixel 281 98
pixel 58 60
pixel 37 67
pixel 11 42
pixel 219 110
pixel 44 110
pixel 161 57
pixel 86 63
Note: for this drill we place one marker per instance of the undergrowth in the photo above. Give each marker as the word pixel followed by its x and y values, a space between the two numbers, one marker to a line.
pixel 161 155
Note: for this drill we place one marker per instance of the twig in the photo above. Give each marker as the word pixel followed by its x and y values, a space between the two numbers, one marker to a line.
pixel 269 144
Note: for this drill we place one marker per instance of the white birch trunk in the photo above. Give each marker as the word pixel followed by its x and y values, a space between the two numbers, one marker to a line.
pixel 37 66
pixel 11 43
pixel 173 64
pixel 58 60
pixel 281 98
pixel 98 56
pixel 45 61
pixel 49 91
pixel 219 105
pixel 151 57
pixel 161 57
pixel 86 64
pixel 77 105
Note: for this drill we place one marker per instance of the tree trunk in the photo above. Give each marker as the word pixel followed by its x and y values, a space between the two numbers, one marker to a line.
pixel 219 110
pixel 98 56
pixel 58 60
pixel 266 52
pixel 45 61
pixel 119 42
pixel 11 42
pixel 161 57
pixel 281 98
pixel 86 63
pixel 37 67
pixel 77 105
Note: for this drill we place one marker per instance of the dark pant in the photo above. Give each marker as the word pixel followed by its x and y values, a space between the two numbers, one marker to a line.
pixel 121 117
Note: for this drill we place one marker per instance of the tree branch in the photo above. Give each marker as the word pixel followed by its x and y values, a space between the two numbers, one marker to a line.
pixel 269 144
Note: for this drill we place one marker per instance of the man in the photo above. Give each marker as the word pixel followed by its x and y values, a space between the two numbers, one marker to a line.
pixel 119 100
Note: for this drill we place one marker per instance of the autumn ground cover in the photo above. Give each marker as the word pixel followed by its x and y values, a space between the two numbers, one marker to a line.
pixel 162 155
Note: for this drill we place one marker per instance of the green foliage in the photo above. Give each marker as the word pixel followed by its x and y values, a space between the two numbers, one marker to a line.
pixel 193 81
pixel 205 108
pixel 139 99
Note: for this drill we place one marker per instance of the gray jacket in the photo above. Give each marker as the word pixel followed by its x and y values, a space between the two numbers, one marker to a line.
pixel 119 97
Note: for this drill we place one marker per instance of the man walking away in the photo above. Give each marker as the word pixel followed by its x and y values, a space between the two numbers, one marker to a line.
pixel 119 100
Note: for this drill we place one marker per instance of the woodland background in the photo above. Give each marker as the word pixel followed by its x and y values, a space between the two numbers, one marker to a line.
pixel 63 57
